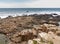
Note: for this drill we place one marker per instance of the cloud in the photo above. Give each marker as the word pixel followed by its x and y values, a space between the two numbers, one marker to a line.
pixel 44 4
pixel 32 4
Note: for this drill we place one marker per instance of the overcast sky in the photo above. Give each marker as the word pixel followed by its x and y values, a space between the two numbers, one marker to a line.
pixel 29 3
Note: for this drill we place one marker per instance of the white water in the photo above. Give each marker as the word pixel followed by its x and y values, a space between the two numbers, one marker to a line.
pixel 4 15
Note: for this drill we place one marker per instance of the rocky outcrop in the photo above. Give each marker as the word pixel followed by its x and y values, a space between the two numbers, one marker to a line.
pixel 25 29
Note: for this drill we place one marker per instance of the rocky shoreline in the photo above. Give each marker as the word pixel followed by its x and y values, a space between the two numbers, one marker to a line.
pixel 31 29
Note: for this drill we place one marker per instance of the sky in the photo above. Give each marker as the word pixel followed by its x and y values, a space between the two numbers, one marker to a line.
pixel 29 3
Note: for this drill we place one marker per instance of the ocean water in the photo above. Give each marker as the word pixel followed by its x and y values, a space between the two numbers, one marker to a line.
pixel 4 12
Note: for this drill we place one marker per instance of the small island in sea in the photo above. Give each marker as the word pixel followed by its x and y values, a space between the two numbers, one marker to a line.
pixel 31 29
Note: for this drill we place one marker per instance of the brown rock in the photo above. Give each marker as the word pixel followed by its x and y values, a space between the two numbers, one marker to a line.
pixel 16 39
pixel 58 33
pixel 6 27
pixel 11 43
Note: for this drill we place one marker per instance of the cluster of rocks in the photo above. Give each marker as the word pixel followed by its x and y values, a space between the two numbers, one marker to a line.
pixel 37 32
pixel 29 30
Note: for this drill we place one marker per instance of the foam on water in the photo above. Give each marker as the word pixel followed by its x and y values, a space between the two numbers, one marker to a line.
pixel 4 15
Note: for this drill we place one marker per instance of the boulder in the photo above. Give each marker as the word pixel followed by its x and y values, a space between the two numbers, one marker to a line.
pixel 45 36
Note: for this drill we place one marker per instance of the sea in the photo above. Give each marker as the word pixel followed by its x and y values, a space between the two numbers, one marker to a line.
pixel 4 12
